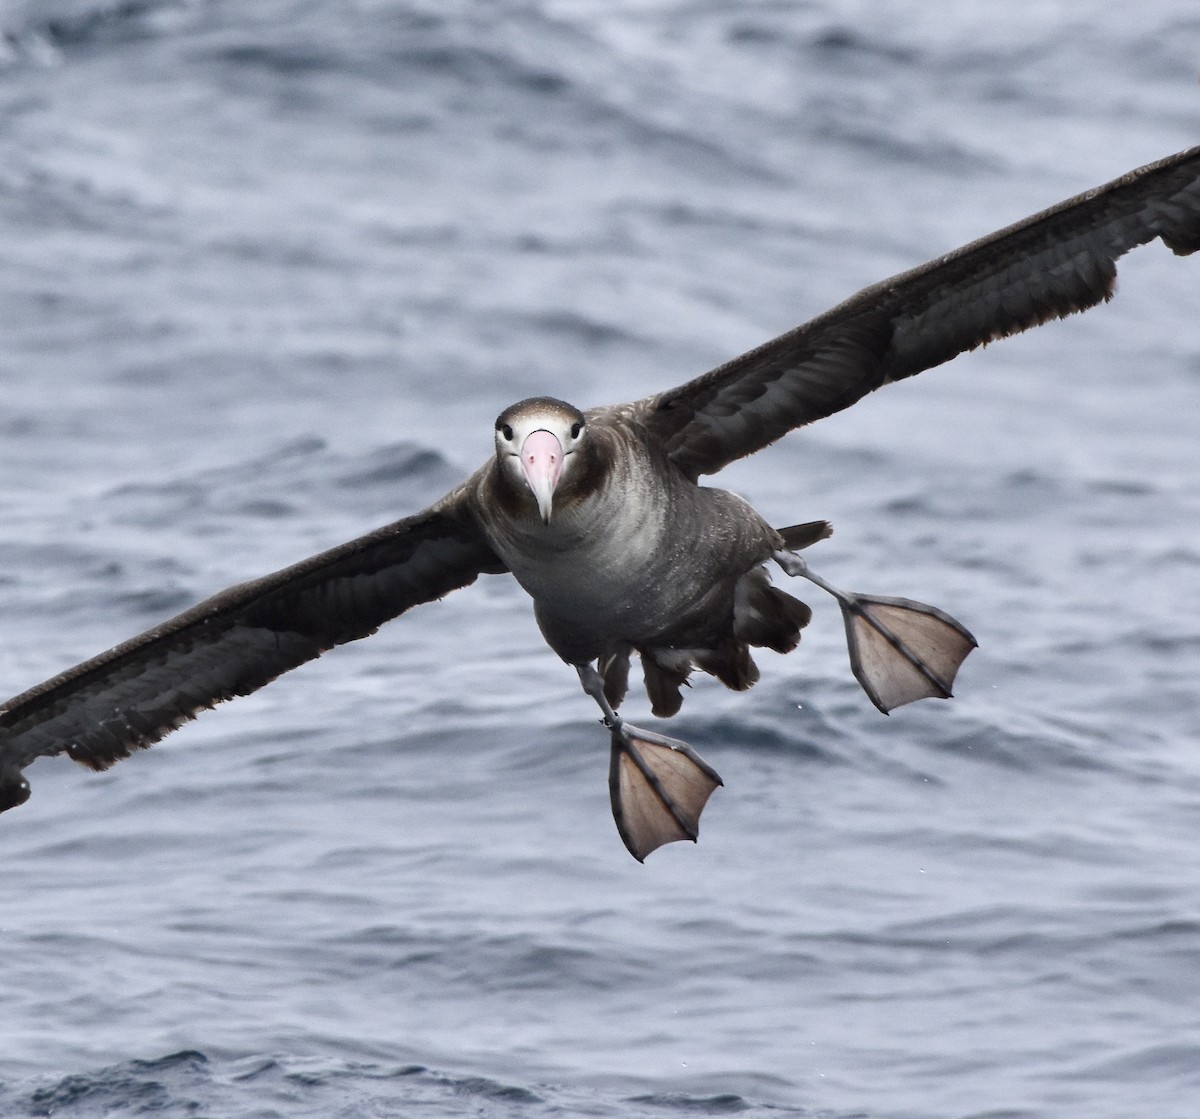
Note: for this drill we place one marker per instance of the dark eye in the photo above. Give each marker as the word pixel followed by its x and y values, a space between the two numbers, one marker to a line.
pixel 506 431
pixel 576 428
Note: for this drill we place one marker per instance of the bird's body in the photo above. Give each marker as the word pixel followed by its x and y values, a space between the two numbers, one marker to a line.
pixel 605 569
pixel 601 518
pixel 637 556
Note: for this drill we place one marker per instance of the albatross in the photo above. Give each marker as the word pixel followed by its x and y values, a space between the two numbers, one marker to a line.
pixel 599 515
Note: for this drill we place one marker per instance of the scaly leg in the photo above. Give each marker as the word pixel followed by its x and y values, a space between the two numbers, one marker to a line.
pixel 900 650
pixel 658 785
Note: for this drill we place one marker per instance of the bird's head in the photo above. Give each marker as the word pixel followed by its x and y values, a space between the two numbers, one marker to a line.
pixel 537 445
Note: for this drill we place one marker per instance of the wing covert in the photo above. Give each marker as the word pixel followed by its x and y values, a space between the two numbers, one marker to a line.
pixel 240 639
pixel 1047 266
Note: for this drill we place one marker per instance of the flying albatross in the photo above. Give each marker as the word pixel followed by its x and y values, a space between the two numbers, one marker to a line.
pixel 600 517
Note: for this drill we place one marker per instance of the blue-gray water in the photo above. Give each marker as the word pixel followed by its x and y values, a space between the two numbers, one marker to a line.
pixel 268 272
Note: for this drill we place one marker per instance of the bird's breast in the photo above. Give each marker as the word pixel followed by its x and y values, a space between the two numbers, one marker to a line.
pixel 635 559
pixel 597 556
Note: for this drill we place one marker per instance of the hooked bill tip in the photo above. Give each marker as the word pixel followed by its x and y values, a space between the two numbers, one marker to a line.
pixel 541 463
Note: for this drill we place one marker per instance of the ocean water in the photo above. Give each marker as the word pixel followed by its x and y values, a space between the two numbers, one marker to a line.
pixel 270 270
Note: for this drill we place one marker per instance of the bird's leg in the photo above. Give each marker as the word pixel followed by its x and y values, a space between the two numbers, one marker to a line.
pixel 658 785
pixel 900 650
pixel 593 683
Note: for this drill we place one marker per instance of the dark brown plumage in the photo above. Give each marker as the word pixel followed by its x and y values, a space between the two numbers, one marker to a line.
pixel 620 550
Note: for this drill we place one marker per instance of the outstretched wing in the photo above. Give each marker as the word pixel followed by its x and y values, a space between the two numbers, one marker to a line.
pixel 1048 266
pixel 235 642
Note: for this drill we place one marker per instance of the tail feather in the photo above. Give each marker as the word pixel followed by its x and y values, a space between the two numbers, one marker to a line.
pixel 767 617
pixel 732 665
pixel 796 537
pixel 662 686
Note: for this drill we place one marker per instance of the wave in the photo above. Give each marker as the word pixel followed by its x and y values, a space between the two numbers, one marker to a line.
pixel 40 30
pixel 188 1082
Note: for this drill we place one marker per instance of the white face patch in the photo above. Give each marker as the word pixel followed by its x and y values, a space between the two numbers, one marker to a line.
pixel 516 426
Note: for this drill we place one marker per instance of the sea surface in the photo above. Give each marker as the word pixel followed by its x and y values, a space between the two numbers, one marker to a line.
pixel 268 271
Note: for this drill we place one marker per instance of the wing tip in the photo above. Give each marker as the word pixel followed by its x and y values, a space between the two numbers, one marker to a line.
pixel 14 790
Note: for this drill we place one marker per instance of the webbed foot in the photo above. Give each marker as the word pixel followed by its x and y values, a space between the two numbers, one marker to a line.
pixel 659 786
pixel 900 650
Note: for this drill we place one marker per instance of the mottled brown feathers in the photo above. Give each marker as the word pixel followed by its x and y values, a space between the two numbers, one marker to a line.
pixel 1050 265
pixel 235 642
